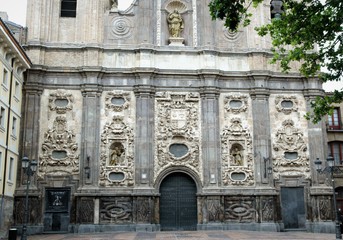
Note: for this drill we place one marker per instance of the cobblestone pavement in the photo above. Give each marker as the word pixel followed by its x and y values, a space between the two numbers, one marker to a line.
pixel 194 235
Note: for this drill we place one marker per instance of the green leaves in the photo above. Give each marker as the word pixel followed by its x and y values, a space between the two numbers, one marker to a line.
pixel 233 12
pixel 309 31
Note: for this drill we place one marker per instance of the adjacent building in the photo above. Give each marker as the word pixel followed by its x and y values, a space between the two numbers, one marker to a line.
pixel 13 63
pixel 158 118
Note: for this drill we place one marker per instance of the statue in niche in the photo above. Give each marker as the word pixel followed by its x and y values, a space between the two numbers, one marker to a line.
pixel 237 156
pixel 117 154
pixel 175 24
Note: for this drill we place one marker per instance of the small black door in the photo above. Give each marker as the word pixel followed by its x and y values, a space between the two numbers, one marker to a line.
pixel 293 207
pixel 178 203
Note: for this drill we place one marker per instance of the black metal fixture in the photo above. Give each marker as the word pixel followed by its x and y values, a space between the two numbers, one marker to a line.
pixel 267 170
pixel 276 9
pixel 331 169
pixel 87 168
pixel 29 167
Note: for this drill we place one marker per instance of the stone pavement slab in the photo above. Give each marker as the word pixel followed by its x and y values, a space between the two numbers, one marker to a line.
pixel 187 235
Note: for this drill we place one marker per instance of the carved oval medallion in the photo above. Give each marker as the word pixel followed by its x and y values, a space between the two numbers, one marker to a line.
pixel 287 104
pixel 238 176
pixel 291 155
pixel 116 176
pixel 235 104
pixel 59 154
pixel 118 101
pixel 61 102
pixel 178 150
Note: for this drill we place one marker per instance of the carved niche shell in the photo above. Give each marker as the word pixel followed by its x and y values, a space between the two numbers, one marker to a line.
pixel 176 5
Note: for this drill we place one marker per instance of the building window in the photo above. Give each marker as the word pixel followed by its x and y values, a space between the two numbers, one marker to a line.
pixel 68 8
pixel 11 169
pixel 335 119
pixel 2 117
pixel 17 89
pixel 5 77
pixel 14 126
pixel 336 151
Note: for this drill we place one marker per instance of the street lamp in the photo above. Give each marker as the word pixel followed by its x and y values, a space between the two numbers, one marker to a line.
pixel 29 167
pixel 331 169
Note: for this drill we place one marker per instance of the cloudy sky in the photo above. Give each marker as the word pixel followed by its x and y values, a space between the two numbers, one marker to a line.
pixel 16 10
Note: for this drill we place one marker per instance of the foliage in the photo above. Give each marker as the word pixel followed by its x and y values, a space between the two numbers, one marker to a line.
pixel 309 31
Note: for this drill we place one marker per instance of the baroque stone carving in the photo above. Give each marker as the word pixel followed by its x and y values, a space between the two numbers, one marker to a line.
pixel 236 103
pixel 325 209
pixel 177 124
pixel 290 152
pixel 121 28
pixel 286 104
pixel 117 101
pixel 86 210
pixel 143 212
pixel 215 210
pixel 59 149
pixel 267 209
pixel 237 158
pixel 61 102
pixel 117 153
pixel 240 209
pixel 34 210
pixel 116 210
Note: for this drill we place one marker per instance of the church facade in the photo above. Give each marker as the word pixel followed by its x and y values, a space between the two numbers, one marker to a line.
pixel 158 118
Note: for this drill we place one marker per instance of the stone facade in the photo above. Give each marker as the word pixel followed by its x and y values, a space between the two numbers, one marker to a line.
pixel 119 101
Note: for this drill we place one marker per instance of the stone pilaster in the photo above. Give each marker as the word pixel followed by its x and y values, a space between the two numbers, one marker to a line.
pixel 262 134
pixel 144 141
pixel 89 156
pixel 210 137
pixel 317 135
pixel 30 123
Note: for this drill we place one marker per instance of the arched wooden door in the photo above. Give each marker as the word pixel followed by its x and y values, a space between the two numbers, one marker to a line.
pixel 178 203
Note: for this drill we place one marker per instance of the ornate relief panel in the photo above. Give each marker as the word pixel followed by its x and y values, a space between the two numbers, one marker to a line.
pixel 85 210
pixel 236 142
pixel 117 141
pixel 177 128
pixel 240 209
pixel 267 209
pixel 116 210
pixel 61 102
pixel 60 129
pixel 59 149
pixel 290 155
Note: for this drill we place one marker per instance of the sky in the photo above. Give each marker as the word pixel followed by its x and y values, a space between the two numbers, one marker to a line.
pixel 16 10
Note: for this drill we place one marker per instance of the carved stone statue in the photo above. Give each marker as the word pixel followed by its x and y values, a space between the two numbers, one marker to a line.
pixel 116 156
pixel 175 24
pixel 237 156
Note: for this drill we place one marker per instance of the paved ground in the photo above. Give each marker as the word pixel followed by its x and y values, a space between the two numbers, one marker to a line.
pixel 194 235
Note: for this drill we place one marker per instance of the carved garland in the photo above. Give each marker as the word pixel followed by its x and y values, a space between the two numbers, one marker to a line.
pixel 290 152
pixel 117 101
pixel 286 104
pixel 60 102
pixel 236 103
pixel 237 157
pixel 177 130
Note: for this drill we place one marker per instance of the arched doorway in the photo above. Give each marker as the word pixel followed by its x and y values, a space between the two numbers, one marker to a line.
pixel 178 203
